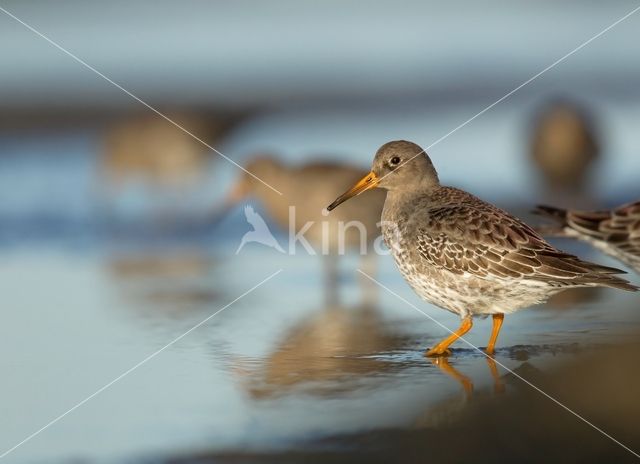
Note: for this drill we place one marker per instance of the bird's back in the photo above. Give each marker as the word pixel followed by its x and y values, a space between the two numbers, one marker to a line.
pixel 462 234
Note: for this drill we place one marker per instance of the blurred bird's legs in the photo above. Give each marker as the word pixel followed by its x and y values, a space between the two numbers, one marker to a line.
pixel 370 291
pixel 331 280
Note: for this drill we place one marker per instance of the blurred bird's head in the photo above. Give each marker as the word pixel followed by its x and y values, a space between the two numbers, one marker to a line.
pixel 263 167
pixel 564 144
pixel 396 165
pixel 251 182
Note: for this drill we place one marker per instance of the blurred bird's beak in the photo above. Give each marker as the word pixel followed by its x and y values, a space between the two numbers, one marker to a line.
pixel 367 182
pixel 237 193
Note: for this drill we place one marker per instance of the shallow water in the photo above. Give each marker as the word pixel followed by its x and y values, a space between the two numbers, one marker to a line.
pixel 270 370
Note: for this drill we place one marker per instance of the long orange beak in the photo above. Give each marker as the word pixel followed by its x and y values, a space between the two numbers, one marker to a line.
pixel 367 182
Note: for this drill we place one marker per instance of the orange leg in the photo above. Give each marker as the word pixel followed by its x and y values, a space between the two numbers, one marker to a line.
pixel 497 324
pixel 442 348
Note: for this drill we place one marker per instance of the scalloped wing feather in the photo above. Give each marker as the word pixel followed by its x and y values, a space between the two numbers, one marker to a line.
pixel 477 238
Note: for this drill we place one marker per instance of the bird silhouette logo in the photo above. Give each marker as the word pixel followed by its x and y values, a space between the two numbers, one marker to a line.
pixel 260 233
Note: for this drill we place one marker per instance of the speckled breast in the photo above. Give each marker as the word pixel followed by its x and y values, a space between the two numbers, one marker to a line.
pixel 432 285
pixel 460 294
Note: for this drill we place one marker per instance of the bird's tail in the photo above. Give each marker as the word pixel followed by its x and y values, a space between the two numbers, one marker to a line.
pixel 557 214
pixel 612 281
pixel 604 276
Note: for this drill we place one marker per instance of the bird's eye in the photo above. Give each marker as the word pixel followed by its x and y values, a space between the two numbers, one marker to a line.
pixel 395 161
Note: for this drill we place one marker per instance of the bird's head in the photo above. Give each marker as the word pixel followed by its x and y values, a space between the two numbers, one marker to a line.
pixel 260 167
pixel 263 167
pixel 397 164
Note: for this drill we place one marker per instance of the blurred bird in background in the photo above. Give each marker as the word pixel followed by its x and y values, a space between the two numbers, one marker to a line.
pixel 564 146
pixel 151 172
pixel 615 232
pixel 149 148
pixel 324 353
pixel 306 190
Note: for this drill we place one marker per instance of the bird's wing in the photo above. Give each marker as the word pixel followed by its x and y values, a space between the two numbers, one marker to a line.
pixel 589 223
pixel 617 232
pixel 622 220
pixel 254 218
pixel 622 228
pixel 620 224
pixel 487 242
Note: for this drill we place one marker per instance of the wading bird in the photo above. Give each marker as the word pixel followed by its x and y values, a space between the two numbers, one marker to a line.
pixel 464 254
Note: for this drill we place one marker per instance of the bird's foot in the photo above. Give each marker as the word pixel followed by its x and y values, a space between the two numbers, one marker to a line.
pixel 437 351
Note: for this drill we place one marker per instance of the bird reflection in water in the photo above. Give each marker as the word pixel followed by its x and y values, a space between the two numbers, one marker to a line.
pixel 449 410
pixel 466 382
pixel 339 349
pixel 326 354
pixel 523 354
pixel 170 281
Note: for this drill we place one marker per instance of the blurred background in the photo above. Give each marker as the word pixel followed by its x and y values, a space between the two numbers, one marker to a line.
pixel 118 233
